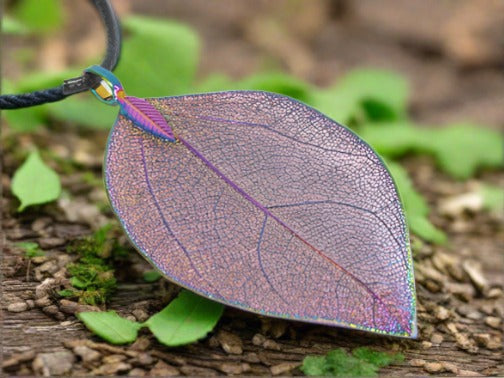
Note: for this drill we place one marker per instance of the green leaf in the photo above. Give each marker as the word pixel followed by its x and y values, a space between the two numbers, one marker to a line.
pixel 415 206
pixel 31 249
pixel 151 276
pixel 85 112
pixel 25 120
pixel 371 94
pixel 363 362
pixel 386 89
pixel 78 283
pixel 110 326
pixel 459 149
pixel 214 83
pixel 35 183
pixel 278 83
pixel 493 197
pixel 13 26
pixel 67 293
pixel 335 105
pixel 159 58
pixel 40 15
pixel 186 319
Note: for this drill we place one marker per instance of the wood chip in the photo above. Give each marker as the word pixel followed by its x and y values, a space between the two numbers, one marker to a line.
pixel 465 343
pixel 230 342
pixel 111 369
pixel 417 362
pixel 137 372
pixel 437 339
pixel 196 371
pixel 49 243
pixel 464 291
pixel 473 270
pixel 488 341
pixel 86 354
pixel 17 359
pixel 234 368
pixel 258 339
pixel 448 366
pixel 433 367
pixel 17 307
pixel 71 307
pixel 272 344
pixel 426 344
pixel 441 313
pixel 469 373
pixel 493 321
pixel 283 368
pixel 141 344
pixel 53 364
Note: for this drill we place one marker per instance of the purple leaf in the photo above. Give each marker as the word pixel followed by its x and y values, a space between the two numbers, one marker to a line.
pixel 267 205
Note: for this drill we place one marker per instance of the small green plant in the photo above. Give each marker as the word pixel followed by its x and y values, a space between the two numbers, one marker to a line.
pixel 460 150
pixel 493 197
pixel 151 276
pixel 35 183
pixel 31 249
pixel 415 206
pixel 362 362
pixel 92 276
pixel 186 319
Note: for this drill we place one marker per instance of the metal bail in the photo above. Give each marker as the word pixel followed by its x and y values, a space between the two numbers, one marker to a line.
pixel 107 89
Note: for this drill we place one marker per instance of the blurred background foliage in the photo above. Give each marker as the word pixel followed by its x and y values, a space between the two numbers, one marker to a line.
pixel 162 57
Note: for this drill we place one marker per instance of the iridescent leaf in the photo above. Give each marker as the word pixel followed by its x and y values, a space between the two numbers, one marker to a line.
pixel 265 204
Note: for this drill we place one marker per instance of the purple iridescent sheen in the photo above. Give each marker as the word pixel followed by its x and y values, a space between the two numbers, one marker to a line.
pixel 265 204
pixel 144 115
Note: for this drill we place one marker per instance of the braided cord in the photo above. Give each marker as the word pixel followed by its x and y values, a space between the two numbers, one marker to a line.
pixel 81 83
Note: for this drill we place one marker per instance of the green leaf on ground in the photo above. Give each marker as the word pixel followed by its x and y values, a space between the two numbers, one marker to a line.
pixel 31 249
pixel 151 276
pixel 415 206
pixel 364 94
pixel 493 197
pixel 159 58
pixel 363 362
pixel 110 326
pixel 277 82
pixel 25 120
pixel 459 149
pixel 215 82
pixel 186 319
pixel 85 112
pixel 35 183
pixel 13 26
pixel 40 15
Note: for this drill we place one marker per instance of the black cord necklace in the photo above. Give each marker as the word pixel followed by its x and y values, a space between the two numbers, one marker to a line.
pixel 79 84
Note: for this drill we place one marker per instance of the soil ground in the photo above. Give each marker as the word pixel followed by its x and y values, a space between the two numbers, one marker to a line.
pixel 451 51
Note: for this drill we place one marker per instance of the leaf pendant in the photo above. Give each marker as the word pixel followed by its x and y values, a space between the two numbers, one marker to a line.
pixel 260 202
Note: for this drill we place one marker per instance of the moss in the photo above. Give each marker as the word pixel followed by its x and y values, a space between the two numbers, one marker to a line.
pixel 363 362
pixel 92 275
